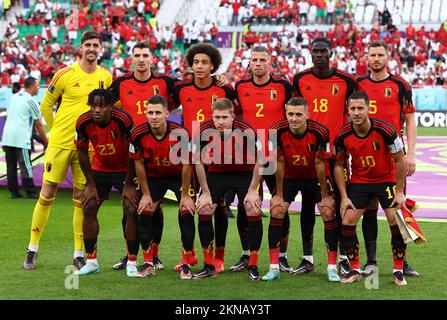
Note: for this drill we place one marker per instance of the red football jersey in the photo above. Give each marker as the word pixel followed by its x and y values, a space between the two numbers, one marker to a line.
pixel 371 160
pixel 132 94
pixel 111 143
pixel 300 152
pixel 327 97
pixel 263 105
pixel 196 102
pixel 233 152
pixel 156 153
pixel 390 99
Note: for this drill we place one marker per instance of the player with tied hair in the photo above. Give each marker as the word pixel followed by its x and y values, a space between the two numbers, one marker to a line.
pixel 378 170
pixel 70 87
pixel 228 145
pixel 160 166
pixel 108 130
pixel 326 89
pixel 391 101
pixel 301 148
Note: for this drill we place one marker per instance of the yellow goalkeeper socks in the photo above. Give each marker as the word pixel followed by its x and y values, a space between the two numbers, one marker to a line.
pixel 40 217
pixel 78 218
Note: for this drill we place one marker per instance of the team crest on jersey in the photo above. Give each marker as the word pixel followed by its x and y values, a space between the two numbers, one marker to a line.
pixel 156 90
pixel 101 84
pixel 214 98
pixel 311 147
pixel 48 166
pixel 113 134
pixel 335 89
pixel 376 145
pixel 273 94
pixel 387 92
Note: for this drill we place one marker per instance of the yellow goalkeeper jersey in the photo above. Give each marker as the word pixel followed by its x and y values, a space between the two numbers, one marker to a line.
pixel 70 88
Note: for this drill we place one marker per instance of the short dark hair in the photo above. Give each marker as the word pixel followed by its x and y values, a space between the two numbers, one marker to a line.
pixel 30 81
pixel 323 40
pixel 223 104
pixel 208 49
pixel 157 99
pixel 91 35
pixel 261 49
pixel 142 45
pixel 359 95
pixel 377 44
pixel 16 87
pixel 106 96
pixel 297 101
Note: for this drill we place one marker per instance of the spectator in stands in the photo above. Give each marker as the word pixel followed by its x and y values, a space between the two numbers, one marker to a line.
pixel 16 87
pixel 236 5
pixel 330 9
pixel 385 17
pixel 214 32
pixel 303 11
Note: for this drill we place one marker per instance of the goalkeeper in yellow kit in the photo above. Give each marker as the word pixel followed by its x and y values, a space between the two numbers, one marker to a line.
pixel 70 87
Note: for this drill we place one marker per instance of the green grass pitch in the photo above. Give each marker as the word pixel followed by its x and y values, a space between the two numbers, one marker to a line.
pixel 48 280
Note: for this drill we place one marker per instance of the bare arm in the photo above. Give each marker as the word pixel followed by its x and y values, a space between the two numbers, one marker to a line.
pixel 410 131
pixel 41 131
pixel 146 200
pixel 399 197
pixel 90 191
pixel 279 177
pixel 339 174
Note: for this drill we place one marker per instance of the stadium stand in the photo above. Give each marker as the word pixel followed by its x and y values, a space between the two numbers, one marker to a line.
pixel 44 37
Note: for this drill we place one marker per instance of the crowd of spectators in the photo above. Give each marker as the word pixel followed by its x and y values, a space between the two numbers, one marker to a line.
pixel 418 55
pixel 234 12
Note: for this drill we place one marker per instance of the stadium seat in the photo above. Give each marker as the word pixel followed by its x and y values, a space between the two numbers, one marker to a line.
pixel 380 5
pixel 435 10
pixel 358 15
pixel 443 13
pixel 390 5
pixel 369 14
pixel 312 15
pixel 416 13
pixel 425 12
pixel 406 15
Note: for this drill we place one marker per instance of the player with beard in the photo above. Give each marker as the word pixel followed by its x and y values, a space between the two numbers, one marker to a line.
pixel 378 171
pixel 261 98
pixel 391 101
pixel 70 87
pixel 132 92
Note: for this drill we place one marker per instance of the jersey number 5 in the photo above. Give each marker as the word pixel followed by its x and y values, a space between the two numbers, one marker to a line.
pixel 373 107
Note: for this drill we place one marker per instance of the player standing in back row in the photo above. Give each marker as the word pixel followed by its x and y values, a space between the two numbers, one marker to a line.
pixel 196 97
pixel 262 98
pixel 391 101
pixel 326 90
pixel 70 86
pixel 132 92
